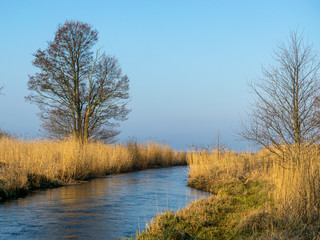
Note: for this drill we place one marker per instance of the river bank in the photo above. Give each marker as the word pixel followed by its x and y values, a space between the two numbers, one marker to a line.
pixel 103 208
pixel 29 165
pixel 254 198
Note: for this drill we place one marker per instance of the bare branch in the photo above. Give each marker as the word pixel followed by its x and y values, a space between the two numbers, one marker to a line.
pixel 79 94
pixel 283 117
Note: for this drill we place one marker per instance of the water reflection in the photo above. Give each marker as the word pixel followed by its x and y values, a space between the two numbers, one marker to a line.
pixel 101 209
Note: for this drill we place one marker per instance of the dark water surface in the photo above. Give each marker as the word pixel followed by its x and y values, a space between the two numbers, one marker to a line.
pixel 104 208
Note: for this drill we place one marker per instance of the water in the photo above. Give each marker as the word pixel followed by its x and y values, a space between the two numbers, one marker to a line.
pixel 104 208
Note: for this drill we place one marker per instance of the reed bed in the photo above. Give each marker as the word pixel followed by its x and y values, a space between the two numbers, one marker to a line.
pixel 256 196
pixel 26 165
pixel 295 185
pixel 297 188
pixel 210 168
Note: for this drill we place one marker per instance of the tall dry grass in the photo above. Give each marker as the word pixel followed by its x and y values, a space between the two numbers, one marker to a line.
pixel 294 187
pixel 209 168
pixel 32 164
pixel 297 187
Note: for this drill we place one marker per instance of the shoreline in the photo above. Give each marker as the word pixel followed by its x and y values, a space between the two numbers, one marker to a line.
pixel 253 198
pixel 30 165
pixel 6 196
pixel 216 217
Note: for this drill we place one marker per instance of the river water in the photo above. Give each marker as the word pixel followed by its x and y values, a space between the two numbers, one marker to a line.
pixel 104 208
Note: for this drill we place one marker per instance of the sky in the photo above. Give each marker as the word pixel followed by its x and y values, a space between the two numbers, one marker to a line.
pixel 189 62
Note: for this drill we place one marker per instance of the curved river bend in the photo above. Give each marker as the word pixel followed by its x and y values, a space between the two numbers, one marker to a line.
pixel 104 208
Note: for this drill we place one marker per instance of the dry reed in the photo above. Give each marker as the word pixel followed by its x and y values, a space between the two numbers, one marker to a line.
pixel 26 165
pixel 293 186
pixel 208 168
pixel 297 187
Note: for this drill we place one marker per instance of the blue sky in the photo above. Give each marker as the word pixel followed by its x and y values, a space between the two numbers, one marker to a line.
pixel 188 61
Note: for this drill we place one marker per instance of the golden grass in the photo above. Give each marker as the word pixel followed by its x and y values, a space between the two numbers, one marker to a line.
pixel 209 168
pixel 295 185
pixel 26 165
pixel 255 197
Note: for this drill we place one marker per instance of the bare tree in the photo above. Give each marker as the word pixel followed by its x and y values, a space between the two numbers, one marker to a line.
pixel 80 93
pixel 282 117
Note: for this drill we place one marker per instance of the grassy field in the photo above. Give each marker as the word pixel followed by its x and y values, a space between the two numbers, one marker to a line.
pixel 28 165
pixel 254 198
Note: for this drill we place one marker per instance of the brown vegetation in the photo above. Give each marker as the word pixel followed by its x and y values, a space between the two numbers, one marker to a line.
pixel 254 198
pixel 26 165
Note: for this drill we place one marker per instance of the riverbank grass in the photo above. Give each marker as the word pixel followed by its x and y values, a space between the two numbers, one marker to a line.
pixel 238 198
pixel 253 198
pixel 28 165
pixel 219 217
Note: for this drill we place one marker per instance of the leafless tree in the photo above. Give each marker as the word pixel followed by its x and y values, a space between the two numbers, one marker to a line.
pixel 283 116
pixel 81 93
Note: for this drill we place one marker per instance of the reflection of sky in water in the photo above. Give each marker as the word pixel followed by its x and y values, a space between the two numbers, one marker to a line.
pixel 101 209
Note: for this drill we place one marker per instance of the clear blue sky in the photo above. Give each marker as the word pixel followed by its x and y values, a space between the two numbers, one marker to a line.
pixel 188 61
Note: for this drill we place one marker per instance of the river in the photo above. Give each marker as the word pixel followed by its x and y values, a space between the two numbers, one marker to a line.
pixel 104 208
